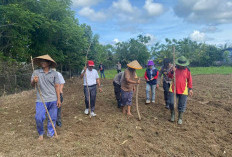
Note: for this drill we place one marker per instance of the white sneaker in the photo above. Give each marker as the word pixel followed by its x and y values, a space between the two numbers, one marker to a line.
pixel 86 111
pixel 148 101
pixel 93 114
pixel 153 101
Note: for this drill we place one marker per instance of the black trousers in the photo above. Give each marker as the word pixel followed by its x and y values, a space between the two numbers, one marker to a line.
pixel 166 87
pixel 93 93
pixel 117 91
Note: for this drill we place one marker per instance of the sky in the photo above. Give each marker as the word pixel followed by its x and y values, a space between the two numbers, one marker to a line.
pixel 208 21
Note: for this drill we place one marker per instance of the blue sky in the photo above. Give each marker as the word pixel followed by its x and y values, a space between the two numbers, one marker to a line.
pixel 207 21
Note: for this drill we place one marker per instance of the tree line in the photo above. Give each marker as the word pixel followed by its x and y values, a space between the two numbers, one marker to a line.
pixel 34 28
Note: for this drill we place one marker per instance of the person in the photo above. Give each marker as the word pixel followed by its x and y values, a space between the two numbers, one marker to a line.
pixel 165 69
pixel 128 83
pixel 102 70
pixel 119 67
pixel 61 86
pixel 183 87
pixel 117 87
pixel 48 82
pixel 91 79
pixel 151 75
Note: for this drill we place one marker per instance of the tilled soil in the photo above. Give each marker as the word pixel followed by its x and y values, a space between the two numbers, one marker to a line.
pixel 206 129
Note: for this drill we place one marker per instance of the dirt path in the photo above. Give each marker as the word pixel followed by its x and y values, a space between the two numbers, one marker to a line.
pixel 206 129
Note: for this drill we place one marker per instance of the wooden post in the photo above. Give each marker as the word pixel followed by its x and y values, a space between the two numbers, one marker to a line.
pixel 174 76
pixel 137 102
pixel 86 57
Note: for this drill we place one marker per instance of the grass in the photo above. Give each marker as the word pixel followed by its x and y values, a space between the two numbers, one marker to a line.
pixel 194 71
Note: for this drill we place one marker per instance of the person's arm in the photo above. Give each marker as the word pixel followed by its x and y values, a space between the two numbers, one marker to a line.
pixel 170 74
pixel 99 85
pixel 61 88
pixel 34 79
pixel 133 82
pixel 83 72
pixel 189 81
pixel 57 87
pixel 145 76
pixel 160 75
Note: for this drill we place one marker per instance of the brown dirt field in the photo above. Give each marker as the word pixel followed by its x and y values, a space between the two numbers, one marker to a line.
pixel 206 129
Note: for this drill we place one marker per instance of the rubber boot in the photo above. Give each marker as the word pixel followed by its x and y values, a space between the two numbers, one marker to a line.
pixel 172 115
pixel 180 118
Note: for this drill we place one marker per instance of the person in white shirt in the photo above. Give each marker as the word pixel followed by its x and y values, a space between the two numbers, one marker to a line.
pixel 92 77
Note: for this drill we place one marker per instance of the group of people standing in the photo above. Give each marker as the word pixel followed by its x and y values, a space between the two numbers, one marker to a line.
pixel 51 84
pixel 153 77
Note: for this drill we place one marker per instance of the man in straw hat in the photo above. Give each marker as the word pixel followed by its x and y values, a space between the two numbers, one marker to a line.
pixel 183 87
pixel 92 78
pixel 151 75
pixel 48 82
pixel 128 86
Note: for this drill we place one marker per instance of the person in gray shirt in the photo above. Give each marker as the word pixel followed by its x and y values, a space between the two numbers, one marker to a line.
pixel 117 87
pixel 48 81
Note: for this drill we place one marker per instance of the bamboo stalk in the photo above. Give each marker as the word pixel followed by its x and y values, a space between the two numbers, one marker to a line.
pixel 137 102
pixel 38 88
pixel 86 57
pixel 174 76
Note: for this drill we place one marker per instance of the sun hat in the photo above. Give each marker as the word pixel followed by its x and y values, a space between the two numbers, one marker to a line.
pixel 38 59
pixel 90 63
pixel 134 65
pixel 182 61
pixel 150 63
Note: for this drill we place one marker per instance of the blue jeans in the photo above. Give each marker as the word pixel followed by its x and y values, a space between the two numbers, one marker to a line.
pixel 182 101
pixel 40 117
pixel 102 73
pixel 152 89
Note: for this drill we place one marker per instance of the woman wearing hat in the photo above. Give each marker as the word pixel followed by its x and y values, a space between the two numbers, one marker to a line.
pixel 165 69
pixel 91 79
pixel 151 76
pixel 128 86
pixel 183 87
pixel 48 82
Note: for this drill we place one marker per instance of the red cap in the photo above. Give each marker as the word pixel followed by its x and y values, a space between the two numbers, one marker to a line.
pixel 90 63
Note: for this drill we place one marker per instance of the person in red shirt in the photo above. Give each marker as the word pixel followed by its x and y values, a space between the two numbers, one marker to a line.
pixel 183 87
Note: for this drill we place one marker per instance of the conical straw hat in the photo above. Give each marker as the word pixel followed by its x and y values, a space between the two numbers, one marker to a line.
pixel 134 65
pixel 37 60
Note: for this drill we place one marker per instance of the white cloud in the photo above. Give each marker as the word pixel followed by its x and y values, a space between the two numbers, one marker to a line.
pixel 123 5
pixel 84 3
pixel 198 36
pixel 92 14
pixel 205 11
pixel 116 40
pixel 153 9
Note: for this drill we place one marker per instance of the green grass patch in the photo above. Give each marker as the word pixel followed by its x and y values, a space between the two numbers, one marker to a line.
pixel 194 71
pixel 211 70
